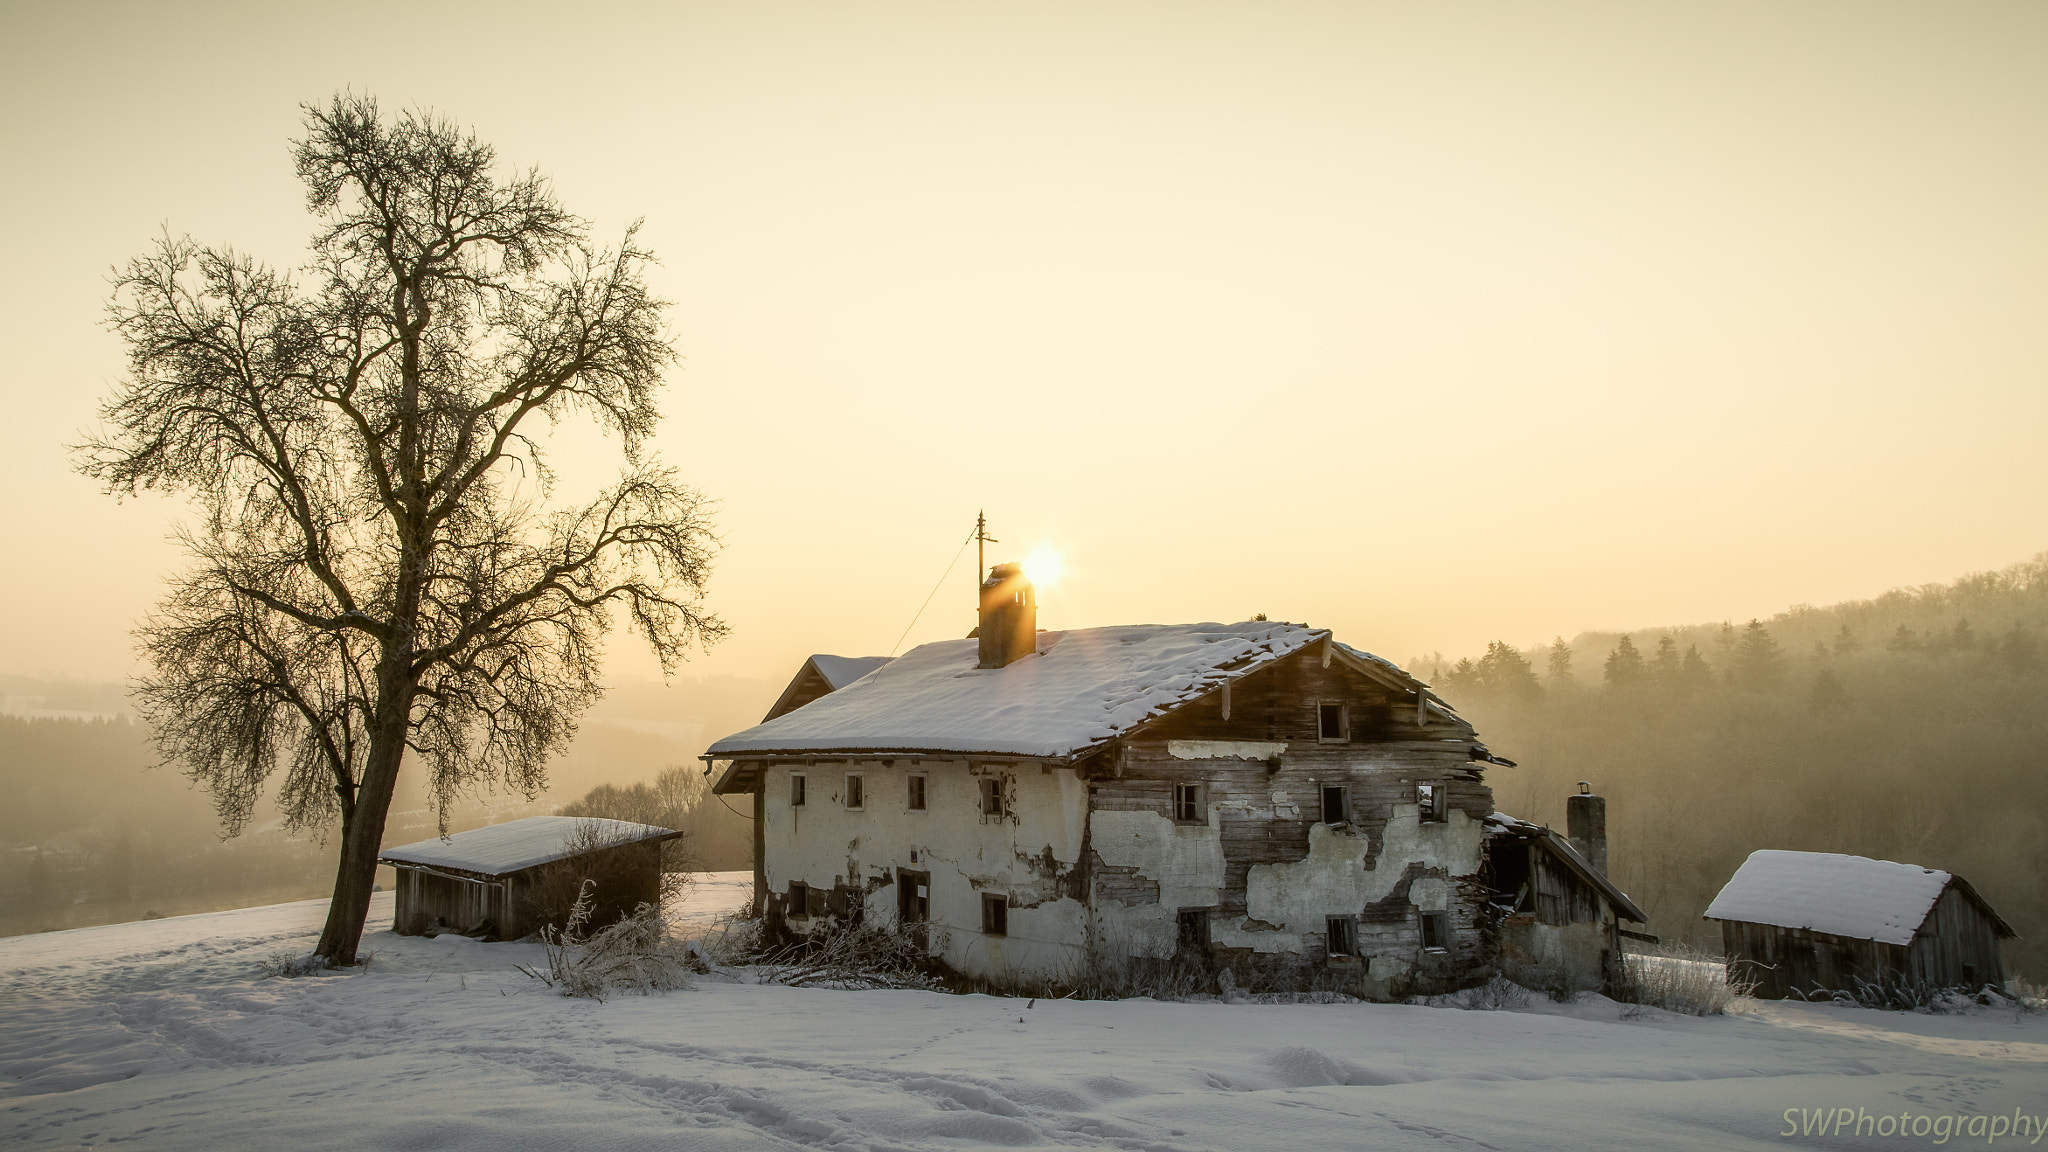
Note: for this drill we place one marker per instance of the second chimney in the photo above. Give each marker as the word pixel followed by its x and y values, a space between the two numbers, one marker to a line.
pixel 1585 822
pixel 1009 616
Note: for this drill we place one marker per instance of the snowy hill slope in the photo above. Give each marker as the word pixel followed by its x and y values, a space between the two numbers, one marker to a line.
pixel 164 1035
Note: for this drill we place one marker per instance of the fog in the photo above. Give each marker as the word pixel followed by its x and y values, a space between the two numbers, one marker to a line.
pixel 1437 325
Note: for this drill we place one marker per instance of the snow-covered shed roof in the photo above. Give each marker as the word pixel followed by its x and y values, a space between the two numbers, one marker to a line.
pixel 1852 896
pixel 1081 688
pixel 520 844
pixel 821 675
pixel 1502 824
pixel 839 671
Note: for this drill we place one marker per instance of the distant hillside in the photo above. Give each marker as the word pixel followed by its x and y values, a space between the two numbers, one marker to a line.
pixel 91 833
pixel 1911 727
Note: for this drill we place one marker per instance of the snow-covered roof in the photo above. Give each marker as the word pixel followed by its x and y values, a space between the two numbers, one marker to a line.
pixel 1851 896
pixel 1080 688
pixel 519 844
pixel 839 671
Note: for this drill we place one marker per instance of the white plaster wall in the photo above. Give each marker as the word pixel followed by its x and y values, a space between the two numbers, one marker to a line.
pixel 1186 860
pixel 824 843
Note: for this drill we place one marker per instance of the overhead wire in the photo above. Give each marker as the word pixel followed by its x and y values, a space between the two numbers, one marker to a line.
pixel 935 590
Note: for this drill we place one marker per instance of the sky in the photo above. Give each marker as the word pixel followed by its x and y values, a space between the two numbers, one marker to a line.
pixel 1431 323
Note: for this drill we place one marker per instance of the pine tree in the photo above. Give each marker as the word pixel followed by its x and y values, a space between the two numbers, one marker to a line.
pixel 2019 650
pixel 1694 675
pixel 1665 666
pixel 1505 672
pixel 1846 643
pixel 1828 697
pixel 1625 665
pixel 1559 665
pixel 1759 664
pixel 1903 640
pixel 1964 638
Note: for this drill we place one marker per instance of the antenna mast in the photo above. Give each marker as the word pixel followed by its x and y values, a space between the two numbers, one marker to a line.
pixel 981 538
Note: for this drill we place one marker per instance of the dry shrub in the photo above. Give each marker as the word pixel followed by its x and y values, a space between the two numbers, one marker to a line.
pixel 603 868
pixel 632 954
pixel 852 956
pixel 1897 995
pixel 1685 981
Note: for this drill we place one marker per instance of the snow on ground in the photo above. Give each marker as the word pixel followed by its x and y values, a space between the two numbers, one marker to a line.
pixel 166 1035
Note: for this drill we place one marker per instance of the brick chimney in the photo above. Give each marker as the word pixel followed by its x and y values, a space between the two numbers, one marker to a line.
pixel 1585 822
pixel 1009 616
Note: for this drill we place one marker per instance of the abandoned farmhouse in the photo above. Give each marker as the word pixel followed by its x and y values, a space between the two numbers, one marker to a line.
pixel 1257 795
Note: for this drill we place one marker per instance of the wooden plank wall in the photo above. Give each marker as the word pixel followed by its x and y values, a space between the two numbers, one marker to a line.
pixel 1956 946
pixel 1386 756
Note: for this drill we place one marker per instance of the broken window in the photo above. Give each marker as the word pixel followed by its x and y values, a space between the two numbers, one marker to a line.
pixel 991 796
pixel 1343 936
pixel 917 793
pixel 796 789
pixel 1436 931
pixel 1336 804
pixel 995 914
pixel 1331 725
pixel 1429 803
pixel 1187 804
pixel 805 900
pixel 853 787
pixel 913 896
pixel 1194 930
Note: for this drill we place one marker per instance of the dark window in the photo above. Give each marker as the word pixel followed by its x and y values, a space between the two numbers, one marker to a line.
pixel 796 789
pixel 797 902
pixel 1335 808
pixel 917 793
pixel 1187 803
pixel 995 914
pixel 1330 722
pixel 1194 929
pixel 991 796
pixel 913 896
pixel 1436 931
pixel 853 784
pixel 1343 935
pixel 1429 803
pixel 815 901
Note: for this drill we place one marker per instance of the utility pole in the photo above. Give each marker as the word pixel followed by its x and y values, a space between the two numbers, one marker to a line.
pixel 981 540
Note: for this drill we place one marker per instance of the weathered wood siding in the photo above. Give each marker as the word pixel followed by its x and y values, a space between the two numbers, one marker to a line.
pixel 510 906
pixel 1267 814
pixel 460 904
pixel 1956 946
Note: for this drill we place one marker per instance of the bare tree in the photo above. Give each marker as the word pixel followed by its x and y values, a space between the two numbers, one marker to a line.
pixel 379 567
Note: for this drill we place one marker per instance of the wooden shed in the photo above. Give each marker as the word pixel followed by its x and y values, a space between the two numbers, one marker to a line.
pixel 1560 916
pixel 1800 923
pixel 505 881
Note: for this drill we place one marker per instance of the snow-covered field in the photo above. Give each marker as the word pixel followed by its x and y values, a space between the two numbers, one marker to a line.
pixel 165 1035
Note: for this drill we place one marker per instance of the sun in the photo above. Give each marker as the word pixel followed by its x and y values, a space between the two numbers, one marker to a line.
pixel 1043 567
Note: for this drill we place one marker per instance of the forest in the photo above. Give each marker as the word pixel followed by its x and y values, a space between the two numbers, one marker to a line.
pixel 95 833
pixel 1909 727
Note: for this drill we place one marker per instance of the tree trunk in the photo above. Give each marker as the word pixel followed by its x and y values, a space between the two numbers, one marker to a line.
pixel 362 834
pixel 362 838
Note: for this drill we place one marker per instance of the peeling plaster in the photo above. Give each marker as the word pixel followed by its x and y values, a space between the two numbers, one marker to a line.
pixel 1223 749
pixel 1333 879
pixel 1027 855
pixel 1185 860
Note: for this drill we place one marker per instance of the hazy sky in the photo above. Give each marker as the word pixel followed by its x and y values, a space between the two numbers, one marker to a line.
pixel 1433 323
